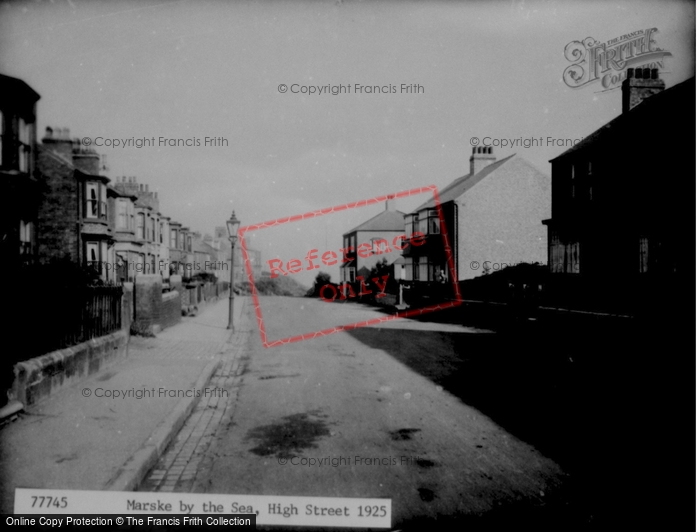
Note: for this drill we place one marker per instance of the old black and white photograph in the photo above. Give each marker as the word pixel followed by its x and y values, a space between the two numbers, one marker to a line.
pixel 348 265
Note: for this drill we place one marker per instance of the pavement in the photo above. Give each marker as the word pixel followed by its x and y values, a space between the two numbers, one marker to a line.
pixel 107 432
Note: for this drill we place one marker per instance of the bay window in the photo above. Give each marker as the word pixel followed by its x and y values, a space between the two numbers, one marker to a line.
pixel 433 222
pixel 95 200
pixel 140 226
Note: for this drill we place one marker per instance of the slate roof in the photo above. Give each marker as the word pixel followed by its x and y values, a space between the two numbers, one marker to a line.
pixel 384 221
pixel 460 185
pixel 610 129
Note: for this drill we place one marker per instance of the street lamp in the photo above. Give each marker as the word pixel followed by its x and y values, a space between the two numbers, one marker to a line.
pixel 232 225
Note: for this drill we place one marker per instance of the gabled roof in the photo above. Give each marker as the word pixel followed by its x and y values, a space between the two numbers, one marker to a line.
pixel 684 90
pixel 460 185
pixel 384 221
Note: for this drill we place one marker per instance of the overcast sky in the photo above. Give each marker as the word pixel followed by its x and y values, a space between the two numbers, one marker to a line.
pixel 189 70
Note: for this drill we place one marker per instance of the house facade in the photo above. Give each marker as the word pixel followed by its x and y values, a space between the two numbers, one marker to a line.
pixel 622 209
pixel 371 242
pixel 18 219
pixel 492 220
pixel 140 226
pixel 74 218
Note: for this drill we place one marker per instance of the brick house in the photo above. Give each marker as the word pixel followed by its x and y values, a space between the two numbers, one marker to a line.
pixel 493 220
pixel 181 250
pixel 17 170
pixel 73 220
pixel 622 199
pixel 372 241
pixel 140 229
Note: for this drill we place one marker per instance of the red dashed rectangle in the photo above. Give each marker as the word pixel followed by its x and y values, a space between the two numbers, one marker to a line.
pixel 402 314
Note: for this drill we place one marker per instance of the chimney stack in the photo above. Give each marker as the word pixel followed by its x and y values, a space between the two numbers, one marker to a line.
pixel 482 156
pixel 640 84
pixel 56 141
pixel 390 205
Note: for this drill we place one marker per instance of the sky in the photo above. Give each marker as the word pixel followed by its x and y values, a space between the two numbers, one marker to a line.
pixel 212 69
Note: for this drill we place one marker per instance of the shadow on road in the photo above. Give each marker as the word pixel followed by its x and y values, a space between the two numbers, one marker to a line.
pixel 597 398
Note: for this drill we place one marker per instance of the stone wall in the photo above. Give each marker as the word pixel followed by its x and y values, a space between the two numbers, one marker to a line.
pixel 39 377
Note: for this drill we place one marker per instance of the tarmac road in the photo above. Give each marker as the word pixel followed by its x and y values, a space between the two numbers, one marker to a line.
pixel 357 414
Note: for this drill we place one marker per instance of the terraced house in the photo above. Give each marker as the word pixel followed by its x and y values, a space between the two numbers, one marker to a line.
pixel 18 219
pixel 141 226
pixel 74 218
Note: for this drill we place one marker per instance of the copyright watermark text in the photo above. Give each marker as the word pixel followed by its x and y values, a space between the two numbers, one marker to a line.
pixel 155 142
pixel 525 142
pixel 357 460
pixel 351 88
pixel 153 393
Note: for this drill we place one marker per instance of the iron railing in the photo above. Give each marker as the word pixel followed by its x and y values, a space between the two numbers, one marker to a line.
pixel 60 317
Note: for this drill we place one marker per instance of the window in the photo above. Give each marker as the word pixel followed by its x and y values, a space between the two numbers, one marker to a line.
pixel 433 223
pixel 26 238
pixel 122 215
pixel 95 200
pixel 643 255
pixel 140 225
pixel 352 241
pixel 189 242
pixel 423 268
pixel 571 257
pixel 434 272
pixel 173 238
pixel 423 222
pixel 408 224
pixel 24 136
pixel 160 232
pixel 91 200
pixel 351 274
pixel 103 202
pixel 380 246
pixel 408 268
pixel 92 255
pixel 153 230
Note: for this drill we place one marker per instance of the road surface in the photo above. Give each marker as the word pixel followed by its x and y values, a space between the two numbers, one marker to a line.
pixel 384 411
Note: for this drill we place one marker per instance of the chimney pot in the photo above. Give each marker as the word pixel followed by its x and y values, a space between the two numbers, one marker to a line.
pixel 639 86
pixel 481 158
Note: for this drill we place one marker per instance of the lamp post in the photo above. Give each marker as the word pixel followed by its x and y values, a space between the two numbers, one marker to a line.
pixel 232 224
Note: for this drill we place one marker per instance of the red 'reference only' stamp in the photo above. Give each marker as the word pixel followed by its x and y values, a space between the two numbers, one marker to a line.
pixel 330 258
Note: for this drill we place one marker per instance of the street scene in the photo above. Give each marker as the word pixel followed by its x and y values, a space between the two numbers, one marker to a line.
pixel 339 265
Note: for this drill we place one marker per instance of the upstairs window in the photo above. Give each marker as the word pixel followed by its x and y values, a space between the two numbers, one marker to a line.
pixel 95 200
pixel 423 222
pixel 173 238
pixel 92 202
pixel 24 146
pixel 433 222
pixel 160 232
pixel 16 139
pixel 122 215
pixel 140 226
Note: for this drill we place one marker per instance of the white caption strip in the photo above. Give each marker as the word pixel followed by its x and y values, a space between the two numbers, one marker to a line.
pixel 269 509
